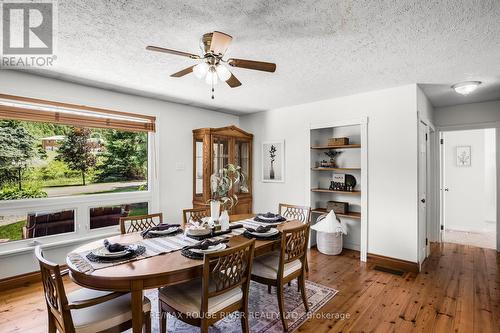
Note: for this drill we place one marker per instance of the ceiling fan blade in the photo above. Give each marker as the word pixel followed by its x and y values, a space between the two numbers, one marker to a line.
pixel 220 42
pixel 251 64
pixel 233 82
pixel 185 71
pixel 175 52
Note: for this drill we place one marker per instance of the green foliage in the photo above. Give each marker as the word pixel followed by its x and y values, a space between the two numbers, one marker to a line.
pixel 13 193
pixel 125 157
pixel 16 149
pixel 76 151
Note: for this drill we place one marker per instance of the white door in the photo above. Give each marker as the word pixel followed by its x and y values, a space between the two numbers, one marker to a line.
pixel 422 192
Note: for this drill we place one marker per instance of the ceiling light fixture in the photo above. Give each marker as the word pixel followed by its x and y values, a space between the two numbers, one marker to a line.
pixel 465 88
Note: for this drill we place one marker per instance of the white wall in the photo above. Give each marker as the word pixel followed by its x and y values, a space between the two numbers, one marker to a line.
pixel 468 114
pixel 468 198
pixel 392 161
pixel 174 140
pixel 490 202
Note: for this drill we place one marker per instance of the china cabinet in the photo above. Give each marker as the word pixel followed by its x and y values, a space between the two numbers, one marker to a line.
pixel 214 148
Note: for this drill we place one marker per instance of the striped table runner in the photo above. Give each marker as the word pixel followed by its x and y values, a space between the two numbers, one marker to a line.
pixel 156 246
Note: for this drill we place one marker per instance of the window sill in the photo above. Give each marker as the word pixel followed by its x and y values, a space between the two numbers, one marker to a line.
pixel 55 245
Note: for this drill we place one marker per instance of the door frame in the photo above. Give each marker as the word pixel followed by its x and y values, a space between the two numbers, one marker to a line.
pixel 483 125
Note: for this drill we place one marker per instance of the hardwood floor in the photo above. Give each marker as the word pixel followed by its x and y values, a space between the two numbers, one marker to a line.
pixel 457 291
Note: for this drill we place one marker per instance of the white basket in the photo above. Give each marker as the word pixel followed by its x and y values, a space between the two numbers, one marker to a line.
pixel 329 243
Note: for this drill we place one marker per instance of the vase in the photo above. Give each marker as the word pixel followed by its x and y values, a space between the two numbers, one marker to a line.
pixel 271 172
pixel 214 210
pixel 224 220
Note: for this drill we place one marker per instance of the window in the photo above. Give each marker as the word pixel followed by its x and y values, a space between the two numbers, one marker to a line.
pixel 110 215
pixel 51 150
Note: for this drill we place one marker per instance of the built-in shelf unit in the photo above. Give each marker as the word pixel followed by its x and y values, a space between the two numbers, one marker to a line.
pixel 352 161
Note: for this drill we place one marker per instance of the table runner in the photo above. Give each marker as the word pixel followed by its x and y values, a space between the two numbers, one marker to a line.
pixel 155 246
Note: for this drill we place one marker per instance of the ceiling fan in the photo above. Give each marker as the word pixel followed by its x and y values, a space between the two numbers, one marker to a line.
pixel 213 67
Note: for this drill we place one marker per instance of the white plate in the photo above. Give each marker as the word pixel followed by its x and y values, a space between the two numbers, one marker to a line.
pixel 164 232
pixel 103 252
pixel 262 217
pixel 271 232
pixel 211 249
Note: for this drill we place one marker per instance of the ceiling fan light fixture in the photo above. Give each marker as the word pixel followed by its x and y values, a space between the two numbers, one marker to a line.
pixel 211 77
pixel 200 70
pixel 465 88
pixel 223 73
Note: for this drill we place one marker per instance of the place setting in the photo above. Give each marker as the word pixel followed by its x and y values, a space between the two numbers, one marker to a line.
pixel 162 230
pixel 262 233
pixel 269 218
pixel 198 250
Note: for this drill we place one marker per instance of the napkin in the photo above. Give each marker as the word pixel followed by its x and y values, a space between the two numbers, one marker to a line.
pixel 260 229
pixel 114 247
pixel 160 227
pixel 205 244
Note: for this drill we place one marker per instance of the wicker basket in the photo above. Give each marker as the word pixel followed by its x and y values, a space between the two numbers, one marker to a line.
pixel 329 243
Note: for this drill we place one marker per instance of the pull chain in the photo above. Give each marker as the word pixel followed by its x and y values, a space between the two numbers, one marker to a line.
pixel 213 87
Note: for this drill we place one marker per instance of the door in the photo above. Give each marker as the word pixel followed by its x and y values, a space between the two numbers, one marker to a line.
pixel 423 243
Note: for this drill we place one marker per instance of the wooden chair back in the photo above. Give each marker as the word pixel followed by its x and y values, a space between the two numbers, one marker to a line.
pixel 294 244
pixel 55 295
pixel 130 224
pixel 226 270
pixel 300 213
pixel 195 214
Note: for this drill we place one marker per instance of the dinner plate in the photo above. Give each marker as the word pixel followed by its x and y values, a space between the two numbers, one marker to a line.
pixel 271 232
pixel 103 252
pixel 275 218
pixel 211 249
pixel 164 232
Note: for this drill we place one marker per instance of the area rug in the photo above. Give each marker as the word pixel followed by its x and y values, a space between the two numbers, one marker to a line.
pixel 263 308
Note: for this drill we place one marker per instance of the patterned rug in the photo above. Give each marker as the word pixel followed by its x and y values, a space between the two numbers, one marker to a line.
pixel 263 308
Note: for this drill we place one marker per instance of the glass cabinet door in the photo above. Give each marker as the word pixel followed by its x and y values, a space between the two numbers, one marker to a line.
pixel 242 159
pixel 221 153
pixel 198 167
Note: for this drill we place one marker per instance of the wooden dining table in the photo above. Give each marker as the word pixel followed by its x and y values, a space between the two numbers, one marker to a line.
pixel 154 272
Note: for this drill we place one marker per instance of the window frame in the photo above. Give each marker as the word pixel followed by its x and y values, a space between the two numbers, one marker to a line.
pixel 82 204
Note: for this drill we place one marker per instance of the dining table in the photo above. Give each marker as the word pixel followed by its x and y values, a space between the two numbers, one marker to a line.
pixel 155 271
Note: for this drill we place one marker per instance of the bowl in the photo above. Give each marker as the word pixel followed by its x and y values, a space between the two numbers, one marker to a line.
pixel 198 231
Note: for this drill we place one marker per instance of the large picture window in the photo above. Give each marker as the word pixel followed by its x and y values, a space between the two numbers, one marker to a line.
pixel 44 156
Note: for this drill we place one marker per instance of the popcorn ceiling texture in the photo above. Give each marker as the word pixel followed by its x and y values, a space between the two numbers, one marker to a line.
pixel 323 49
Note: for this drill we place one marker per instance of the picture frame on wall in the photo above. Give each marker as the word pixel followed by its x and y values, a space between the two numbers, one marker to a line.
pixel 464 156
pixel 273 161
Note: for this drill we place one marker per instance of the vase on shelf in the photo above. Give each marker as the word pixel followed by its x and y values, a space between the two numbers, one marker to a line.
pixel 271 171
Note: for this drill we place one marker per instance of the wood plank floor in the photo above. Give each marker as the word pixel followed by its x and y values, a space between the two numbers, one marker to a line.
pixel 457 291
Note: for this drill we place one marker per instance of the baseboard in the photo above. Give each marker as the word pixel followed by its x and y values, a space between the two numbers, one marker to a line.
pixel 393 263
pixel 25 279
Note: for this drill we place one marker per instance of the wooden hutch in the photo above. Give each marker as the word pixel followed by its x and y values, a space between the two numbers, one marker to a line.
pixel 214 148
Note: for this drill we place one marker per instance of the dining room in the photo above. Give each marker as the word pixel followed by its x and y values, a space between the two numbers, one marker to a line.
pixel 155 179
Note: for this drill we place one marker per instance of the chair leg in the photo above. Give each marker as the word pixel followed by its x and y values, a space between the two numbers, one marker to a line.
pixel 52 325
pixel 244 321
pixel 281 307
pixel 302 283
pixel 163 320
pixel 147 322
pixel 289 283
pixel 268 288
pixel 204 326
pixel 298 284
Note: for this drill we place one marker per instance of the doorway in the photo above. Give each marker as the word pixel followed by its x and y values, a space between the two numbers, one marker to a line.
pixel 469 187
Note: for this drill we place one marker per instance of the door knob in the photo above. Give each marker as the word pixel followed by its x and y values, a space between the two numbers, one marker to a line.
pixel 423 200
pixel 446 189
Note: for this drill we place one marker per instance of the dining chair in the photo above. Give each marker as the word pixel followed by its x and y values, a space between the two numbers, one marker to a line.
pixel 139 223
pixel 195 214
pixel 280 267
pixel 223 289
pixel 85 310
pixel 301 213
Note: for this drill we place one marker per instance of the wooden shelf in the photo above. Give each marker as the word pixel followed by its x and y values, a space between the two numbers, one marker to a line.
pixel 354 145
pixel 325 190
pixel 335 169
pixel 352 215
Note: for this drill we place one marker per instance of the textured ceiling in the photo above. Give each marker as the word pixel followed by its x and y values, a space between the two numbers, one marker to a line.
pixel 323 49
